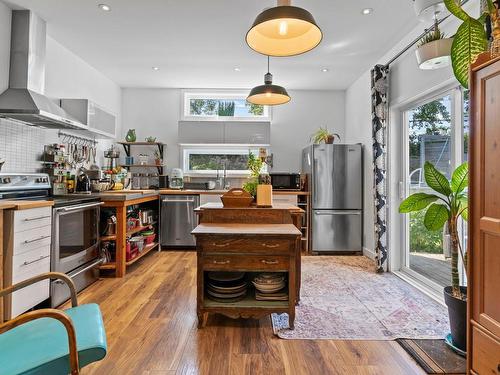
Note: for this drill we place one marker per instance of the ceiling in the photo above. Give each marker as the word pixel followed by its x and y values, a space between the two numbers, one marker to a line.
pixel 199 43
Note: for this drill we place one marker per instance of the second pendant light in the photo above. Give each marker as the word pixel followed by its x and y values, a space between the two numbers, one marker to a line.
pixel 268 94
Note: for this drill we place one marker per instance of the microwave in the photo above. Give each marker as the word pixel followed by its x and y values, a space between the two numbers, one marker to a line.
pixel 285 181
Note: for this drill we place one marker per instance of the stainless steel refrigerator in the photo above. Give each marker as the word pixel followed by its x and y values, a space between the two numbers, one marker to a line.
pixel 335 181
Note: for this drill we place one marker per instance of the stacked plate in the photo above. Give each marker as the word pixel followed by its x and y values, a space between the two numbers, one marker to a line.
pixel 226 286
pixel 270 287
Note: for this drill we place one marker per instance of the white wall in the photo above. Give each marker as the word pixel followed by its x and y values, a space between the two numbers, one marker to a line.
pixel 407 83
pixel 156 112
pixel 358 128
pixel 66 76
pixel 294 123
pixel 5 17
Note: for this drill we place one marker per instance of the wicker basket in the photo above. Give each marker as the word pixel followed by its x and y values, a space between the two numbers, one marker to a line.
pixel 236 198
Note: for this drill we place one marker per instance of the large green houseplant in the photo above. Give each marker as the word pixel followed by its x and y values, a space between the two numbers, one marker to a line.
pixel 470 40
pixel 446 206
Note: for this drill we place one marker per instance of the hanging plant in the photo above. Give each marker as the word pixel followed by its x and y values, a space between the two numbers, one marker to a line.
pixel 469 41
pixel 434 49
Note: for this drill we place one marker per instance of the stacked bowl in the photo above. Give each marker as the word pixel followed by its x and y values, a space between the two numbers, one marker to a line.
pixel 226 287
pixel 270 286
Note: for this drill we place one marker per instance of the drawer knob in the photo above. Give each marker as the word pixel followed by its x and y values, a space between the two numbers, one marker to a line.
pixel 267 261
pixel 271 246
pixel 221 262
pixel 220 244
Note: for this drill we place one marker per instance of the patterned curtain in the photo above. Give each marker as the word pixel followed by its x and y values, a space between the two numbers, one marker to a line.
pixel 380 114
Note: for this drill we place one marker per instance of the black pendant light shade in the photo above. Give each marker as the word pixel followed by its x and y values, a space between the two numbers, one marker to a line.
pixel 284 30
pixel 268 94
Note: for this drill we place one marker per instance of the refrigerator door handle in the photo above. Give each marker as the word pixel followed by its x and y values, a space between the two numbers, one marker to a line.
pixel 338 212
pixel 314 173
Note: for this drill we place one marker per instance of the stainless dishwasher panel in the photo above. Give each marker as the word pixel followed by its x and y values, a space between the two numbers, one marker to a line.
pixel 337 230
pixel 178 219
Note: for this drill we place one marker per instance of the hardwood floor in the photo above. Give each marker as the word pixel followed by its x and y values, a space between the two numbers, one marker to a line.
pixel 150 319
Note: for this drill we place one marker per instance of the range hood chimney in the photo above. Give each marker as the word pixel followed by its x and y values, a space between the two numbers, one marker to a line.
pixel 24 100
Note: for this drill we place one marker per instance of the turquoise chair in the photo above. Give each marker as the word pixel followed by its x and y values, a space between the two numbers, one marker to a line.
pixel 51 341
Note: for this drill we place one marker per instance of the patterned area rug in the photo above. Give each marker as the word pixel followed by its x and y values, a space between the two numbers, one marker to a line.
pixel 342 297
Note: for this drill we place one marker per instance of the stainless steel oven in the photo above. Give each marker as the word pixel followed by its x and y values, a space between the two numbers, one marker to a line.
pixel 75 245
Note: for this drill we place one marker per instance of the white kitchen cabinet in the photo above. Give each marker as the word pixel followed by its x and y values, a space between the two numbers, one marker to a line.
pixel 210 198
pixel 222 132
pixel 27 244
pixel 290 199
pixel 99 121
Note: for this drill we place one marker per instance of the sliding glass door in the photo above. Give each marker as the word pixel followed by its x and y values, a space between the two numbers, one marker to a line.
pixel 435 130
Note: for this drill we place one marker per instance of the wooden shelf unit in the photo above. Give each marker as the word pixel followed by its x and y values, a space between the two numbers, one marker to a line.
pixel 120 207
pixel 147 249
pixel 161 149
pixel 304 202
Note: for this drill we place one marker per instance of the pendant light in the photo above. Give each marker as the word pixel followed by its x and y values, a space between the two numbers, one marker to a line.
pixel 268 94
pixel 284 30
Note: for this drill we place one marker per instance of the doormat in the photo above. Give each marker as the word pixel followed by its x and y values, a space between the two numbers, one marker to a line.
pixel 434 356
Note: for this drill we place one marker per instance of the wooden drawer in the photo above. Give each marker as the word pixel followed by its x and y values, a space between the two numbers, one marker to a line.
pixel 246 262
pixel 31 263
pixel 34 218
pixel 485 353
pixel 226 244
pixel 31 239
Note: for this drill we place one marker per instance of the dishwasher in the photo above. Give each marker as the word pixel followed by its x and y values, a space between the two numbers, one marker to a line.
pixel 178 219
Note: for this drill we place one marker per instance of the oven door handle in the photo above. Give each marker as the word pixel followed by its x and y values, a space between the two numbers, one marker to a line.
pixel 79 207
pixel 73 275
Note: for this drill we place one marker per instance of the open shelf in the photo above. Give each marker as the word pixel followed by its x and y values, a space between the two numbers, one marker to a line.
pixel 141 143
pixel 144 251
pixel 108 238
pixel 142 165
pixel 248 302
pixel 139 229
pixel 108 266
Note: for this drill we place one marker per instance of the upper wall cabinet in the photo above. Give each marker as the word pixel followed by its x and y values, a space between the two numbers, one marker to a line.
pixel 99 121
pixel 236 132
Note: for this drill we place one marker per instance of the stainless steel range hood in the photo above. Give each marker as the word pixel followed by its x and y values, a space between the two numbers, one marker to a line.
pixel 24 100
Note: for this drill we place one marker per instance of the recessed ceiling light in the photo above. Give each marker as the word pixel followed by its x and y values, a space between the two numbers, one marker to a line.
pixel 324 70
pixel 155 68
pixel 367 11
pixel 237 69
pixel 104 7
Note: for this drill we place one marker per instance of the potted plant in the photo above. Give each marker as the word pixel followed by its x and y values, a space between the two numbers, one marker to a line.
pixel 158 159
pixel 434 49
pixel 446 206
pixel 470 40
pixel 254 165
pixel 324 135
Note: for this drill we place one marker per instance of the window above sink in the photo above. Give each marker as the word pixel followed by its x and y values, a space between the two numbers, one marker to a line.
pixel 204 160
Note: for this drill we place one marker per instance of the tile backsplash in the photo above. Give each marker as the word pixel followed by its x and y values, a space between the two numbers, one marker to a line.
pixel 21 146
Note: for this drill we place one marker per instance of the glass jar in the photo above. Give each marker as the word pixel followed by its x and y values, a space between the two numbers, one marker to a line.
pixel 145 181
pixel 136 181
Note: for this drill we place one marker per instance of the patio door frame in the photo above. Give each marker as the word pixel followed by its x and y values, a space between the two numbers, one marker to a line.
pixel 399 184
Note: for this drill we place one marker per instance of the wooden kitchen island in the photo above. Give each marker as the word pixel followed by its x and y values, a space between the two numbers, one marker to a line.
pixel 250 240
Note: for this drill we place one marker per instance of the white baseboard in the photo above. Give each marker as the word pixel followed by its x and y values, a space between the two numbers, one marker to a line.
pixel 369 253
